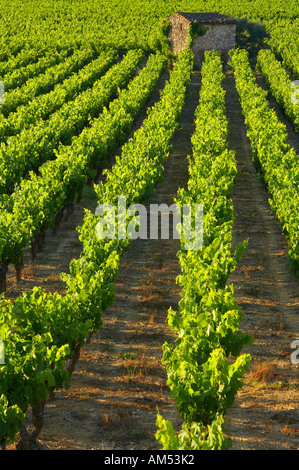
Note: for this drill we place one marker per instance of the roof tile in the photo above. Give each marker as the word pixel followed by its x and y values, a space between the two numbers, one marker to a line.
pixel 215 18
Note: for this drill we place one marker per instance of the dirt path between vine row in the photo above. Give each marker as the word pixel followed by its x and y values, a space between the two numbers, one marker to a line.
pixel 119 381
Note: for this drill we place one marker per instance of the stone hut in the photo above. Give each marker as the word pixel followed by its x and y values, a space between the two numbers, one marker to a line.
pixel 220 33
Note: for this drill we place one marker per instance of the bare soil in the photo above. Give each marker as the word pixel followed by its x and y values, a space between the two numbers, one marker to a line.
pixel 119 382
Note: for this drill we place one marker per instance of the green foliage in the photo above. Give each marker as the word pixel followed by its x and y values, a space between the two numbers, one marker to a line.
pixel 37 138
pixel 37 200
pixel 279 84
pixel 283 34
pixel 192 436
pixel 41 331
pixel 277 161
pixel 202 378
pixel 122 25
pixel 11 419
pixel 68 106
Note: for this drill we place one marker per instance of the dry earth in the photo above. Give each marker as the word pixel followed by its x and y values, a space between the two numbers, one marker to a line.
pixel 119 381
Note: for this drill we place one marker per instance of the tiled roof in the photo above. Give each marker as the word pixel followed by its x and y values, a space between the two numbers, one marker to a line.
pixel 215 18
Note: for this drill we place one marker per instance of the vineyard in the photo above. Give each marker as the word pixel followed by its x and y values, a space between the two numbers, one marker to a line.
pixel 140 342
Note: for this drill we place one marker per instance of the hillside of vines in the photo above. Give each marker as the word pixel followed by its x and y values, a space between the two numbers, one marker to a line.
pixel 172 348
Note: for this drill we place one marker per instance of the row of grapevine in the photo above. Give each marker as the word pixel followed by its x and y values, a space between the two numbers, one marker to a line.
pixel 25 57
pixel 42 106
pixel 17 77
pixel 283 42
pixel 276 160
pixel 280 84
pixel 37 143
pixel 35 203
pixel 134 177
pixel 41 331
pixel 11 47
pixel 44 82
pixel 203 380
